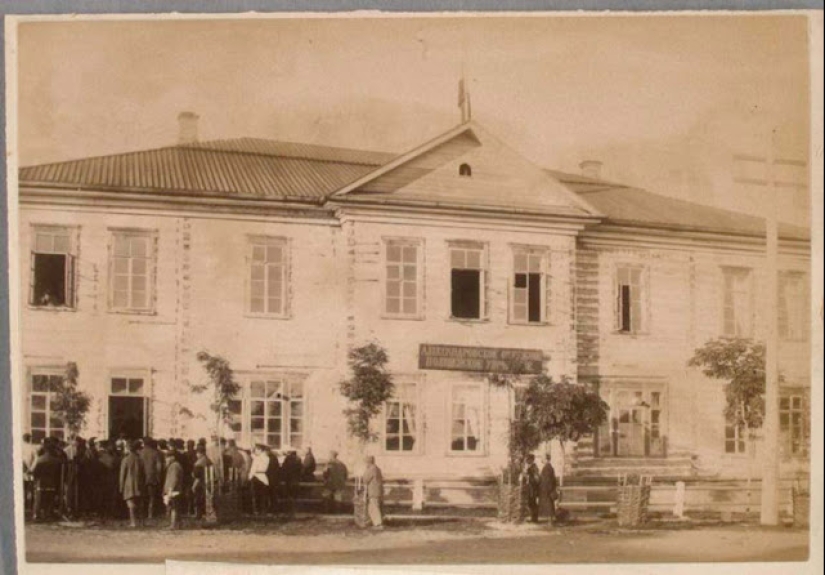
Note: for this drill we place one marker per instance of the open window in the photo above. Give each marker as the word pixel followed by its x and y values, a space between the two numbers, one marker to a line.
pixel 52 268
pixel 467 280
pixel 629 311
pixel 528 297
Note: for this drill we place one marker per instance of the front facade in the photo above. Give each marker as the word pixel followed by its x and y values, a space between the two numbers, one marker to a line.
pixel 457 257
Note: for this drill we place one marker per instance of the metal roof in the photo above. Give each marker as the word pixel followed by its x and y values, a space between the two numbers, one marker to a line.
pixel 627 205
pixel 246 167
pixel 251 167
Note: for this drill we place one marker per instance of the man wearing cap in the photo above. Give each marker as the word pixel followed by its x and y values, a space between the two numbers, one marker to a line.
pixel 173 487
pixel 132 482
pixel 335 481
pixel 153 467
pixel 374 485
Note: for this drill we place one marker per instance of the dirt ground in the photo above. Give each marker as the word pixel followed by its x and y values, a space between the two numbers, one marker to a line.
pixel 325 540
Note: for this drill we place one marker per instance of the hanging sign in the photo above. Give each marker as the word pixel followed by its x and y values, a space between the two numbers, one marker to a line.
pixel 482 359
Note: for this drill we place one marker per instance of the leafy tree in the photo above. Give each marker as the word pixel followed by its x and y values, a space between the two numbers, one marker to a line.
pixel 563 410
pixel 369 387
pixel 740 362
pixel 222 382
pixel 70 404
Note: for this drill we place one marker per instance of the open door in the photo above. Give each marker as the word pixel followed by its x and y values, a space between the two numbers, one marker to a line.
pixel 127 415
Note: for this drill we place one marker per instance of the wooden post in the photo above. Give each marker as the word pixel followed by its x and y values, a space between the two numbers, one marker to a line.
pixel 679 500
pixel 770 471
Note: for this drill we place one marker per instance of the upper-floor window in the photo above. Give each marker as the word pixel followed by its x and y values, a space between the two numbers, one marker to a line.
pixel 52 280
pixel 793 306
pixel 268 266
pixel 403 295
pixel 132 267
pixel 629 298
pixel 269 410
pixel 466 407
pixel 400 419
pixel 737 304
pixel 529 297
pixel 467 280
pixel 42 421
pixel 465 170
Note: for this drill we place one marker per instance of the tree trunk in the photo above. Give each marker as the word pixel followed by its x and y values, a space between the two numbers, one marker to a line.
pixel 563 464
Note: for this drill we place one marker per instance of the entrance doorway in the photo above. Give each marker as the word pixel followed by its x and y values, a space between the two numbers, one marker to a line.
pixel 635 424
pixel 126 416
pixel 128 406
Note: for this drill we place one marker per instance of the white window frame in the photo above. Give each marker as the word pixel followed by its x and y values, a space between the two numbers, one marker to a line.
pixel 151 237
pixel 543 253
pixel 749 332
pixel 482 407
pixel 402 242
pixel 803 410
pixel 483 282
pixel 793 326
pixel 247 436
pixel 643 288
pixel 260 241
pixel 413 398
pixel 741 441
pixel 131 373
pixel 46 371
pixel 71 252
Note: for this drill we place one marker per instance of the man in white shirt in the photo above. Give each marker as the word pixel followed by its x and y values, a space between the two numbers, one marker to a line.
pixel 259 479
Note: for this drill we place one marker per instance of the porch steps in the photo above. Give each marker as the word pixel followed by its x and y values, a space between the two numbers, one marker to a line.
pixel 615 466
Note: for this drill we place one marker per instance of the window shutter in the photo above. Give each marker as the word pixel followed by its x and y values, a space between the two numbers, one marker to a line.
pixel 70 285
pixel 617 304
pixel 547 292
pixel 485 293
pixel 32 278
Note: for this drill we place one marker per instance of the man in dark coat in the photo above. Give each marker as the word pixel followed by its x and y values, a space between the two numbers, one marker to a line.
pixel 548 489
pixel 335 481
pixel 108 468
pixel 291 471
pixel 530 480
pixel 199 478
pixel 173 487
pixel 153 466
pixel 132 482
pixel 46 474
pixel 273 474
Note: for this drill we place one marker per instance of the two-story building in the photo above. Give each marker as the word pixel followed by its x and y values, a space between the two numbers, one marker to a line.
pixel 458 257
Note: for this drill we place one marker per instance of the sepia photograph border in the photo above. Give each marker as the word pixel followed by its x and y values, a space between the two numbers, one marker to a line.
pixel 11 475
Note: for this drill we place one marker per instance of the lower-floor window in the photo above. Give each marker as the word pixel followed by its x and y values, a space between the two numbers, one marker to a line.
pixel 793 425
pixel 400 426
pixel 466 408
pixel 42 420
pixel 269 410
pixel 735 438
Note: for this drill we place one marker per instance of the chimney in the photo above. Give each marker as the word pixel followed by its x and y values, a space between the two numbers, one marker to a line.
pixel 187 128
pixel 591 169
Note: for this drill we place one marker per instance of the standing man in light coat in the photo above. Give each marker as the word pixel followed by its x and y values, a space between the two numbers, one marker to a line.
pixel 132 482
pixel 374 486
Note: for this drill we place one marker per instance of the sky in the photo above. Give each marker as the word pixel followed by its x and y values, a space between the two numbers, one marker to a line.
pixel 664 101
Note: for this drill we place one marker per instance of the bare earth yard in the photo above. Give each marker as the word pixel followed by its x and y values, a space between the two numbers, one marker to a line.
pixel 324 540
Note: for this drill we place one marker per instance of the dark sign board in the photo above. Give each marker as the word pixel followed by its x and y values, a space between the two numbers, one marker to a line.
pixel 483 359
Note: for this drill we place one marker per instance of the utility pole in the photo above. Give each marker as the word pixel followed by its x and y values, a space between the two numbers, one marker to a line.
pixel 769 514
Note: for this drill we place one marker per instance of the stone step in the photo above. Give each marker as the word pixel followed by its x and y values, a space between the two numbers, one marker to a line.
pixel 632 462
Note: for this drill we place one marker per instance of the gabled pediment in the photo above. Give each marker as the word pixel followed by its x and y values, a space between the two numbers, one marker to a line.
pixel 468 167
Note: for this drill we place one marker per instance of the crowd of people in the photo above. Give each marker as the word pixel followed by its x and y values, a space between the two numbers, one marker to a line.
pixel 150 478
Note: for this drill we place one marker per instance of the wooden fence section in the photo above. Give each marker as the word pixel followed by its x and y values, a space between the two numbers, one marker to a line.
pixel 712 495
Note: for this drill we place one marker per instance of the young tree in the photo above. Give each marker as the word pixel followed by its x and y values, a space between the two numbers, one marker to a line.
pixel 222 382
pixel 369 387
pixel 70 404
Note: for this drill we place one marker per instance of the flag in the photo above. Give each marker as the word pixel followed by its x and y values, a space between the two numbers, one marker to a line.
pixel 461 93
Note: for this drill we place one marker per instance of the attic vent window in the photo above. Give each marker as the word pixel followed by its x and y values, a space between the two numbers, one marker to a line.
pixel 465 170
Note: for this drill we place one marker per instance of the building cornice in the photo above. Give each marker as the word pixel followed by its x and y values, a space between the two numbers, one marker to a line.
pixel 648 237
pixel 172 204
